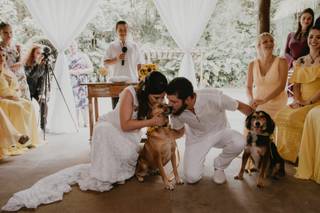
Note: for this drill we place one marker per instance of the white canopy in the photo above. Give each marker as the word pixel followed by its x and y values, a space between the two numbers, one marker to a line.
pixel 63 20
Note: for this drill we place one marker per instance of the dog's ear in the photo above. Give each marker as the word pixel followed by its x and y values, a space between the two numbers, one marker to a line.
pixel 248 121
pixel 270 123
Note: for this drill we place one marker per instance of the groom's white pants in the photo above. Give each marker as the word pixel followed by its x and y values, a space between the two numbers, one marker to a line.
pixel 231 142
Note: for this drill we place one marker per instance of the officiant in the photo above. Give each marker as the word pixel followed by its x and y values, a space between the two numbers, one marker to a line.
pixel 123 57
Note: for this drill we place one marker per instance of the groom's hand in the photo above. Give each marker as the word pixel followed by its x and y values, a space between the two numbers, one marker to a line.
pixel 244 108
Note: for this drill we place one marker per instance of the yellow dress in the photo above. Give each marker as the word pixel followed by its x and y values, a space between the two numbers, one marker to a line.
pixel 264 85
pixel 309 155
pixel 290 121
pixel 9 137
pixel 20 112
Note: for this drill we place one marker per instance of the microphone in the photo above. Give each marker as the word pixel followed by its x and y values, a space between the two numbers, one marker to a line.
pixel 124 50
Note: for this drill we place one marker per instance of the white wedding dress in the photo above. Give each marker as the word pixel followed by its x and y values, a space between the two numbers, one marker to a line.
pixel 114 154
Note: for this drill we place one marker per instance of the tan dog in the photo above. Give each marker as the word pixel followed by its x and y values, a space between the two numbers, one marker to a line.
pixel 159 149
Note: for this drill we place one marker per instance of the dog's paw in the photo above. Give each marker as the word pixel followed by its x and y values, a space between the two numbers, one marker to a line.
pixel 179 181
pixel 238 177
pixel 260 184
pixel 169 186
pixel 140 179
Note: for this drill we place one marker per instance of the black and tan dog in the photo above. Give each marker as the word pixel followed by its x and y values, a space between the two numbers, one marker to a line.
pixel 159 148
pixel 260 148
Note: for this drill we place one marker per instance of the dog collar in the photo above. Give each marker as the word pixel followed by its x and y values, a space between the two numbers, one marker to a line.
pixel 153 128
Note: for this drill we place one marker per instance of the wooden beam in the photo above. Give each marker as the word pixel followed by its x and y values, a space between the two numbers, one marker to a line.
pixel 264 16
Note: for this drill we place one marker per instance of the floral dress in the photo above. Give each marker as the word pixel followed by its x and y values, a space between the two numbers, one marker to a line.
pixel 13 57
pixel 79 61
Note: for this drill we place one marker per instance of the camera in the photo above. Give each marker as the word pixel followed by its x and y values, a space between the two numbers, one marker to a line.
pixel 46 52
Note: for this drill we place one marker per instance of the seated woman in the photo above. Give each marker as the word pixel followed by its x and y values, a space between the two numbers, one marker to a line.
pixel 114 149
pixel 306 80
pixel 309 154
pixel 267 77
pixel 297 45
pixel 9 137
pixel 19 111
pixel 14 58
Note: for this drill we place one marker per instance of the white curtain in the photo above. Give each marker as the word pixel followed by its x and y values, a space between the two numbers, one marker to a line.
pixel 62 21
pixel 186 21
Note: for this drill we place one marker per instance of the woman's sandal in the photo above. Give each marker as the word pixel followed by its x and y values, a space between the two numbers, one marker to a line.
pixel 23 139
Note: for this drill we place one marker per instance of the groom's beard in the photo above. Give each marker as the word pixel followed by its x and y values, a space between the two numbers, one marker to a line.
pixel 180 110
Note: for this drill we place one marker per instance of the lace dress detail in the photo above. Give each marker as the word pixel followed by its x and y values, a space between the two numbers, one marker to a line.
pixel 114 154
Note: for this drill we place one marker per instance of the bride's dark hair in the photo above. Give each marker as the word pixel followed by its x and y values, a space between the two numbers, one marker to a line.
pixel 155 83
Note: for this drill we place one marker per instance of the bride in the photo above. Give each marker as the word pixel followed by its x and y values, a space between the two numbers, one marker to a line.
pixel 114 148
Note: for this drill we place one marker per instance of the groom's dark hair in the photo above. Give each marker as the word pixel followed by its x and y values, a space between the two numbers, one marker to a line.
pixel 180 87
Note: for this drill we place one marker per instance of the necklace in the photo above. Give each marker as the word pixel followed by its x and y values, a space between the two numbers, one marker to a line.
pixel 313 59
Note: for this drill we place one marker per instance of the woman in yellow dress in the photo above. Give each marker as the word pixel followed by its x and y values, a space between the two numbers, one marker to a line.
pixel 309 155
pixel 266 78
pixel 19 111
pixel 306 80
pixel 9 137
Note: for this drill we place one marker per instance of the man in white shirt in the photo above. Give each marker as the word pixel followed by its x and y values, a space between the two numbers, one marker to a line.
pixel 201 114
pixel 123 57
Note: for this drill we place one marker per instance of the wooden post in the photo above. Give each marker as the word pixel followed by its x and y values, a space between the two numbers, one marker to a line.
pixel 264 16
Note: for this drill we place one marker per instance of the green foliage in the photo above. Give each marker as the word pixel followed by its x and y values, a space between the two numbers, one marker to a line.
pixel 227 44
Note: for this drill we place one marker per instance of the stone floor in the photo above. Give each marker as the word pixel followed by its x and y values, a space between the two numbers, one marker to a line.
pixel 61 151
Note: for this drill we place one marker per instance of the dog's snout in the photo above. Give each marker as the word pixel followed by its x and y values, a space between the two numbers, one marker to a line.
pixel 257 124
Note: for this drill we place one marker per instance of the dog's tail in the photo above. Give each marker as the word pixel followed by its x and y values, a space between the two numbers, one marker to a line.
pixel 171 176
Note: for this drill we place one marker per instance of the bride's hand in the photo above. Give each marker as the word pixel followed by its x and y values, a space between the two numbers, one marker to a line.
pixel 158 120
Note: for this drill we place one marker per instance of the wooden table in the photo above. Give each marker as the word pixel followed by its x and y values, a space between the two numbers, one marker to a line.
pixel 100 90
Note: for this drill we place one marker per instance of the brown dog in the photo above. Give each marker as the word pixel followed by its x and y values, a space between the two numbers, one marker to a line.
pixel 260 147
pixel 159 148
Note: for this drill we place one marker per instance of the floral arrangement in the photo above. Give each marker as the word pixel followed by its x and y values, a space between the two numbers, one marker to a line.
pixel 103 71
pixel 146 69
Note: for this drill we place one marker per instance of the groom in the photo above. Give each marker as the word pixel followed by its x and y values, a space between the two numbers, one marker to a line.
pixel 203 115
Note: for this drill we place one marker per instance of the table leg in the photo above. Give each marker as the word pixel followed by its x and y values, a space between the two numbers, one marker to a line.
pixel 90 117
pixel 96 109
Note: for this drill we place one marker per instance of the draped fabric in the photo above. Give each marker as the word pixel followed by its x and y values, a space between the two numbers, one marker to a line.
pixel 62 21
pixel 186 21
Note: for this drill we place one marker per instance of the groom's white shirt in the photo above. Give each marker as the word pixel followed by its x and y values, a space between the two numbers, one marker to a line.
pixel 209 117
pixel 208 128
